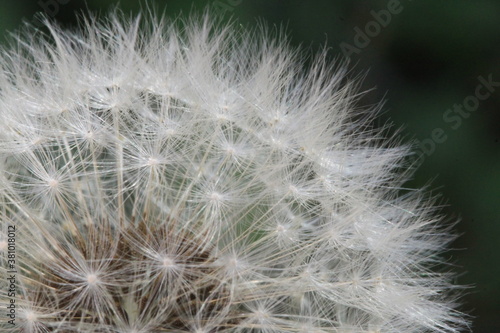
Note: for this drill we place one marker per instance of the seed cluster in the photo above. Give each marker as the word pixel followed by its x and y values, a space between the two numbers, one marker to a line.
pixel 143 271
pixel 198 179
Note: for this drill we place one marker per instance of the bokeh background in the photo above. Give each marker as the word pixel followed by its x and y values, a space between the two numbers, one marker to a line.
pixel 426 59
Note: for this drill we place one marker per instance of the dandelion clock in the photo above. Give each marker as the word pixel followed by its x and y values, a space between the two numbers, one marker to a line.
pixel 159 178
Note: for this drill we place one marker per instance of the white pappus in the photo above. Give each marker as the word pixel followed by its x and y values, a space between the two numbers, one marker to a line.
pixel 197 179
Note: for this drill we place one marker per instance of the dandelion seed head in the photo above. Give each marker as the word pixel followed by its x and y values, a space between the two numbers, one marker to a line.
pixel 204 179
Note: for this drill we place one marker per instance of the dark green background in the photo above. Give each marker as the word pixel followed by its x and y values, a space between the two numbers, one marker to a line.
pixel 427 59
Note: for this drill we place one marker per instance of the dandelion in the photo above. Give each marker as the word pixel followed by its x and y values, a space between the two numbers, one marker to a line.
pixel 196 179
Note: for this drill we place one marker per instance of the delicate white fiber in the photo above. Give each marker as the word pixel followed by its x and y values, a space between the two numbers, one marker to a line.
pixel 197 179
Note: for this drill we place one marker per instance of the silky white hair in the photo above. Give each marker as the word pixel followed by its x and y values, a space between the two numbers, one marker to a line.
pixel 192 176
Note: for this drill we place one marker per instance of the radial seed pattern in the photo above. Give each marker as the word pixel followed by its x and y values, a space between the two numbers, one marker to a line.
pixel 196 179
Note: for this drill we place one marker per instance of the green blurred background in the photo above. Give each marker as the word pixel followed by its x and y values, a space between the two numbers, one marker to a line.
pixel 424 61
